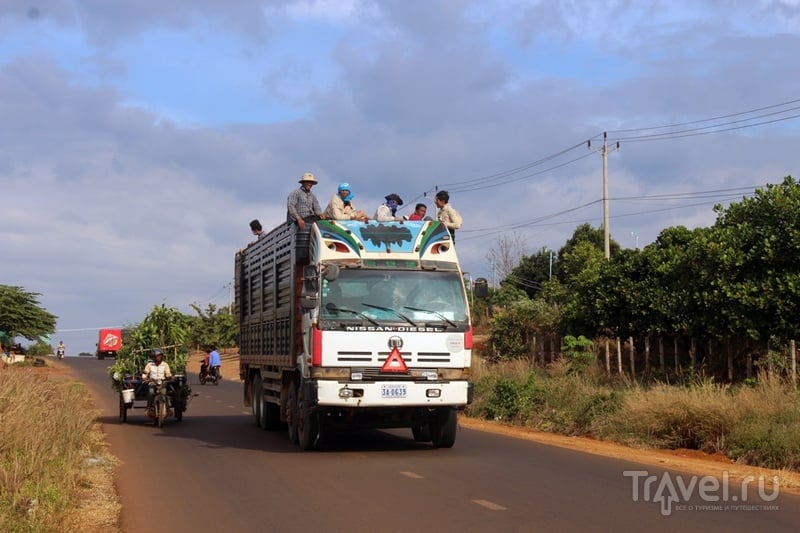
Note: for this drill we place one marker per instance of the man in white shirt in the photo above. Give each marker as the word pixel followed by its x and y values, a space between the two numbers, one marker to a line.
pixel 387 210
pixel 155 370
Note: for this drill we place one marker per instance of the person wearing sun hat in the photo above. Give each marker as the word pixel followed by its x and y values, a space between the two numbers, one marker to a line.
pixel 386 211
pixel 302 206
pixel 341 205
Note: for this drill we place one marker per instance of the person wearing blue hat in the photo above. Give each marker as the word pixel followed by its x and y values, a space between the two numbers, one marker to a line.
pixel 341 205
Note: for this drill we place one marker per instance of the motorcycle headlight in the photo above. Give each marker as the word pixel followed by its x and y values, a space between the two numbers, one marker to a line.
pixel 158 382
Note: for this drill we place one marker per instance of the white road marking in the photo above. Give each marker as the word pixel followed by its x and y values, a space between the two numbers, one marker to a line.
pixel 490 505
pixel 412 475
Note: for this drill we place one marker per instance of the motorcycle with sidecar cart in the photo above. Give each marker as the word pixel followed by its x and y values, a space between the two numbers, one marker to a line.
pixel 169 398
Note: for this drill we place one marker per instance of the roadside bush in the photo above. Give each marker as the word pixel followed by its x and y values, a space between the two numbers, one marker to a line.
pixel 757 424
pixel 664 416
pixel 767 432
pixel 549 400
pixel 767 442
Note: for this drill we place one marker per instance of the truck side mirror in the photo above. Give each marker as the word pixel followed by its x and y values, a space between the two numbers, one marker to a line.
pixel 331 272
pixel 309 294
pixel 481 288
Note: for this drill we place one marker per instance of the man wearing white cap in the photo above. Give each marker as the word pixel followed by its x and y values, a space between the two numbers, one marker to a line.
pixel 302 206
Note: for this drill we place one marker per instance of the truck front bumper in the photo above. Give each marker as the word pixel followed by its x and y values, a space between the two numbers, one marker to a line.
pixel 393 393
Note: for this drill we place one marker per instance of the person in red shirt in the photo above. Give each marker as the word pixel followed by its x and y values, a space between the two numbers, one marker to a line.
pixel 419 212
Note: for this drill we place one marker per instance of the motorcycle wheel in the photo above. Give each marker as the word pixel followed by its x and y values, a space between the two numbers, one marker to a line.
pixel 161 413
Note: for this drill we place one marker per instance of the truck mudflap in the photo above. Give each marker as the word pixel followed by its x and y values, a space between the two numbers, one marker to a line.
pixel 393 393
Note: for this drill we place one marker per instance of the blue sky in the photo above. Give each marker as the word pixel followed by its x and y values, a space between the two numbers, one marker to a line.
pixel 140 138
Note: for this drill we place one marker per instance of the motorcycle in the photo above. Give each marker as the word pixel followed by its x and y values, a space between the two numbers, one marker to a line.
pixel 60 353
pixel 209 375
pixel 158 409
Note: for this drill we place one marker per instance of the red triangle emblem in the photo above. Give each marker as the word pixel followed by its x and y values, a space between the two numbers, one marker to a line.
pixel 395 362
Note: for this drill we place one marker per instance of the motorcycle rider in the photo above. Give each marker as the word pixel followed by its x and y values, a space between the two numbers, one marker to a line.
pixel 155 370
pixel 213 362
pixel 61 349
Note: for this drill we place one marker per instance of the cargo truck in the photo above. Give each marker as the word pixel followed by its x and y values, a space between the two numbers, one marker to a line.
pixel 354 325
pixel 109 342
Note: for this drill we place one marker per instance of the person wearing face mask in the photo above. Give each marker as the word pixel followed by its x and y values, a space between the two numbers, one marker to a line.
pixel 387 211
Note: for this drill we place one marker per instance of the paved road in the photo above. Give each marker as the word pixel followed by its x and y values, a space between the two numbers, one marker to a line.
pixel 216 471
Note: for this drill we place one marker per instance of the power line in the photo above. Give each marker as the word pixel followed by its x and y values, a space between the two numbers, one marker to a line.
pixel 689 123
pixel 727 194
pixel 499 179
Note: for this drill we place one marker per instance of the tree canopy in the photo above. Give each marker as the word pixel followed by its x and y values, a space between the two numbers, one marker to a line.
pixel 22 315
pixel 738 279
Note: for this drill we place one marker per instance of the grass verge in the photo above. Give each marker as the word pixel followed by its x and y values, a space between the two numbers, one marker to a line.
pixel 756 425
pixel 55 468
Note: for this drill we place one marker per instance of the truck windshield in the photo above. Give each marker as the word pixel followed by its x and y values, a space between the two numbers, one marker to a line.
pixel 407 295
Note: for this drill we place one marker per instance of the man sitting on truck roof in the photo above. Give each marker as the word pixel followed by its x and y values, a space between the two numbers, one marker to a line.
pixel 387 210
pixel 302 206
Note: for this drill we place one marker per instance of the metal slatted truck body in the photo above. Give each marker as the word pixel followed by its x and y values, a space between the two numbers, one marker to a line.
pixel 354 324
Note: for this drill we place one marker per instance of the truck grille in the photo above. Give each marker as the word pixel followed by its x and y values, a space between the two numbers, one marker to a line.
pixel 367 358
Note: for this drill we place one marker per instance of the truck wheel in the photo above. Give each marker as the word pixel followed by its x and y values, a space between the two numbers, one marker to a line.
pixel 307 422
pixel 270 414
pixel 444 427
pixel 256 394
pixel 101 356
pixel 291 412
pixel 421 433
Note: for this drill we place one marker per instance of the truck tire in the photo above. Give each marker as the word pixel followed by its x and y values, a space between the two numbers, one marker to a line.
pixel 256 394
pixel 291 412
pixel 421 433
pixel 443 428
pixel 307 422
pixel 270 414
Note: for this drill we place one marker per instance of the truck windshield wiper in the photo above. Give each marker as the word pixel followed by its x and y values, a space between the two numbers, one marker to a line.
pixel 401 315
pixel 335 308
pixel 440 315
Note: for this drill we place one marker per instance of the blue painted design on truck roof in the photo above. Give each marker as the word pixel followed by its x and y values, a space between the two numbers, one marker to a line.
pixel 377 236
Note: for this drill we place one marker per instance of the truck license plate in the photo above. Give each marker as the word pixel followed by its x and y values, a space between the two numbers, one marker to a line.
pixel 393 391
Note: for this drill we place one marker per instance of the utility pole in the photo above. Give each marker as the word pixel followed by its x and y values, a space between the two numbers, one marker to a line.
pixel 606 230
pixel 230 298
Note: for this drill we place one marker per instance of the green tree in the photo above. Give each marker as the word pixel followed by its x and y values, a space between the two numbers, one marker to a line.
pixel 580 270
pixel 757 280
pixel 532 272
pixel 213 327
pixel 21 314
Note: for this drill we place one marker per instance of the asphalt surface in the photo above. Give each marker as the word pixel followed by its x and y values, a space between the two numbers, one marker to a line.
pixel 216 471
